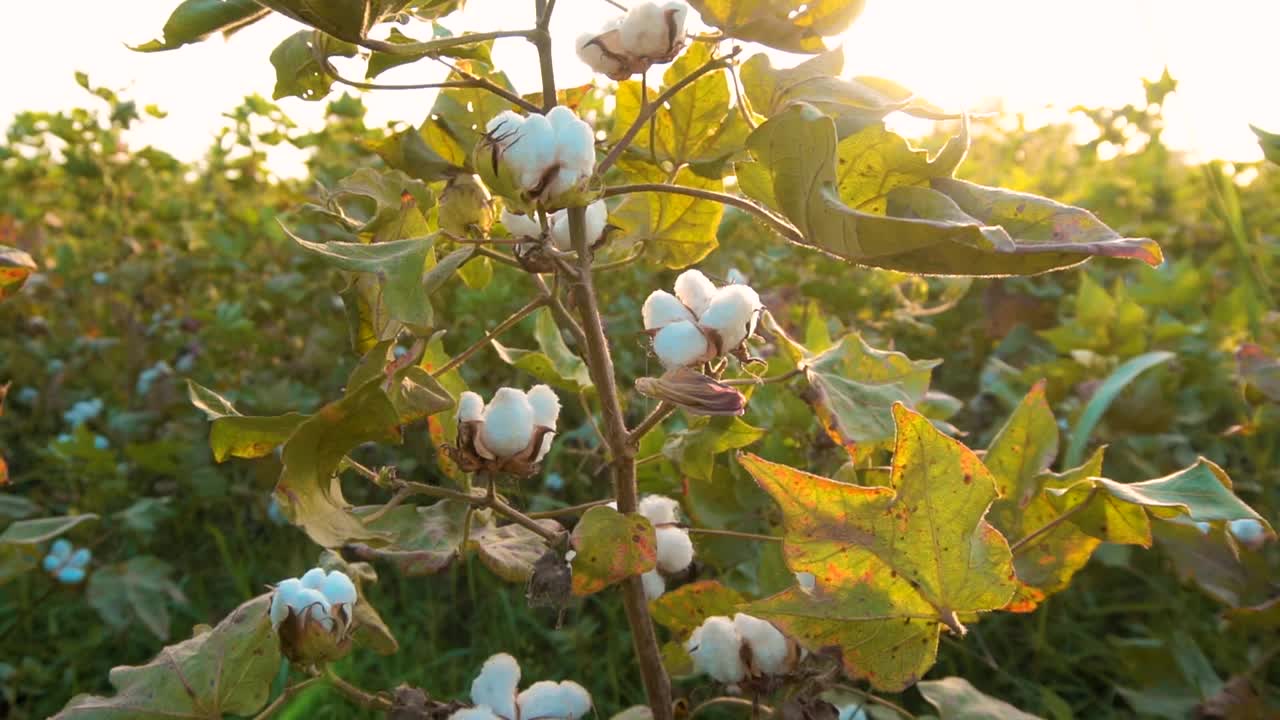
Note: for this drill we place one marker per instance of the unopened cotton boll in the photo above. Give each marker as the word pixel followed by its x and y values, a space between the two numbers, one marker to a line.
pixel 732 313
pixel 660 509
pixel 508 423
pixel 716 650
pixel 654 585
pixel 695 291
pixel 547 699
pixel 675 549
pixel 338 588
pixel 520 225
pixel 545 404
pixel 1247 530
pixel 479 712
pixel 470 407
pixel 769 648
pixel 681 344
pixel 662 308
pixel 495 686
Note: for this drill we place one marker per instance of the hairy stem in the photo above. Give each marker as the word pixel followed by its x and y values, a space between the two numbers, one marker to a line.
pixel 366 700
pixel 288 694
pixel 784 228
pixel 502 327
pixel 650 108
pixel 659 414
pixel 600 367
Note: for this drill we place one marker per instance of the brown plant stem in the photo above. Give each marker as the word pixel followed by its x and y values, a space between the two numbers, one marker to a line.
pixel 600 367
pixel 570 510
pixel 284 698
pixel 502 327
pixel 484 500
pixel 659 414
pixel 366 700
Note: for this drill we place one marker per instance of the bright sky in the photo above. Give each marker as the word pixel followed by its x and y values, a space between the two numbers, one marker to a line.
pixel 1031 54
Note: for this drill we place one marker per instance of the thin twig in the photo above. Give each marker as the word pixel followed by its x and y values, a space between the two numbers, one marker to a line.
pixel 784 228
pixel 488 85
pixel 551 536
pixel 561 313
pixel 434 46
pixel 366 700
pixel 764 380
pixel 735 534
pixel 659 414
pixel 570 510
pixel 727 700
pixel 541 39
pixel 501 257
pixel 649 108
pixel 616 264
pixel 880 701
pixel 288 694
pixel 502 327
pixel 485 500
pixel 1026 541
pixel 741 99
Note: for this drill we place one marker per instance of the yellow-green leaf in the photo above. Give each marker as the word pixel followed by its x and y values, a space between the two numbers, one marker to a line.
pixel 677 230
pixel 15 267
pixel 195 20
pixel 791 25
pixel 610 547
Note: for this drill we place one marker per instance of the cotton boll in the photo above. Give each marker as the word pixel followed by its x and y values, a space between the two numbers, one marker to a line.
pixel 520 225
pixel 853 711
pixel 479 712
pixel 80 557
pixel 596 217
pixel 661 309
pixel 545 404
pixel 71 575
pixel 540 700
pixel 645 32
pixel 1247 531
pixel 505 126
pixel 495 686
pixel 470 406
pixel 769 649
pixel 575 699
pixel 338 588
pixel 679 12
pixel 547 441
pixel 660 509
pixel 681 344
pixel 313 579
pixel 532 151
pixel 654 585
pixel 595 56
pixel 279 609
pixel 716 650
pixel 575 141
pixel 508 423
pixel 675 549
pixel 566 178
pixel 695 291
pixel 732 313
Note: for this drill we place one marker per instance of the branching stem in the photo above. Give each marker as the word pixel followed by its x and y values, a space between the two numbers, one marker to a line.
pixel 288 694
pixel 784 228
pixel 660 413
pixel 366 700
pixel 485 500
pixel 434 46
pixel 502 327
pixel 1026 541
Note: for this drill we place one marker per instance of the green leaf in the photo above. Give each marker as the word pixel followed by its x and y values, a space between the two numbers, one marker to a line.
pixel 694 450
pixel 195 20
pixel 370 629
pixel 892 564
pixel 15 267
pixel 854 386
pixel 234 435
pixel 685 608
pixel 1020 453
pixel 791 25
pixel 299 72
pixel 949 228
pixel 408 152
pixel 1214 561
pixel 610 547
pixel 1201 492
pixel 387 203
pixel 553 363
pixel 1103 397
pixel 1270 143
pixel 380 62
pixel 346 19
pixel 29 532
pixel 423 540
pixel 697 126
pixel 227 670
pixel 459 115
pixel 308 493
pixel 398 265
pixel 676 230
pixel 139 589
pixel 874 161
pixel 957 699
pixel 510 551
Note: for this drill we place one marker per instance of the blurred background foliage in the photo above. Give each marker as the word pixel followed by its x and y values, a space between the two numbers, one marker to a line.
pixel 154 271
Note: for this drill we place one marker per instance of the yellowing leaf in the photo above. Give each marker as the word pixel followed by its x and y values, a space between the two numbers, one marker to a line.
pixel 677 230
pixel 510 551
pixel 234 435
pixel 423 539
pixel 791 25
pixel 15 267
pixel 685 608
pixel 892 564
pixel 610 547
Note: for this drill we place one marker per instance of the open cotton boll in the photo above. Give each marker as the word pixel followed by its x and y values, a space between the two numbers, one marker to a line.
pixel 338 588
pixel 681 344
pixel 597 216
pixel 591 53
pixel 495 686
pixel 660 509
pixel 547 699
pixel 520 225
pixel 645 32
pixel 479 712
pixel 508 423
pixel 675 549
pixel 662 308
pixel 313 579
pixel 504 127
pixel 769 650
pixel 695 291
pixel 654 585
pixel 1247 530
pixel 716 650
pixel 852 711
pixel 532 151
pixel 575 141
pixel 470 406
pixel 545 404
pixel 732 313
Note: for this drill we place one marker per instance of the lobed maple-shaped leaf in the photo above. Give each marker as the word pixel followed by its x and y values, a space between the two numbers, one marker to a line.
pixel 610 547
pixel 226 670
pixel 244 436
pixel 892 564
pixel 510 551
pixel 423 539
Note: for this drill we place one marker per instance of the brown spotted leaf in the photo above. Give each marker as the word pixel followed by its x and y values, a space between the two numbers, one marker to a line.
pixel 15 267
pixel 610 547
pixel 892 564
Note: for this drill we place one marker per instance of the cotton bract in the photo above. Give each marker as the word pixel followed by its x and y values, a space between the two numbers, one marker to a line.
pixel 493 693
pixel 649 34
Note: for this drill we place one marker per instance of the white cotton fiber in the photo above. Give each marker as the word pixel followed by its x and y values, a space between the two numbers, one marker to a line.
pixel 695 291
pixel 716 648
pixel 495 686
pixel 660 509
pixel 661 309
pixel 681 344
pixel 768 645
pixel 675 550
pixel 508 423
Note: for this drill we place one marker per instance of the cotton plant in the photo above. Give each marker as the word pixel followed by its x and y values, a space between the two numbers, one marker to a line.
pixel 538 161
pixel 494 695
pixel 314 615
pixel 66 563
pixel 512 433
pixel 737 650
pixel 648 34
